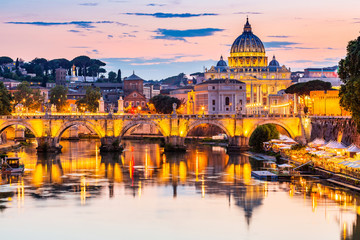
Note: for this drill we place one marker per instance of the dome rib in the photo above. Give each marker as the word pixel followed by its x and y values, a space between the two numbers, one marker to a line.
pixel 247 42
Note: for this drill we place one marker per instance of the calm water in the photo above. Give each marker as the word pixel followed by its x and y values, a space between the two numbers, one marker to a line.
pixel 145 194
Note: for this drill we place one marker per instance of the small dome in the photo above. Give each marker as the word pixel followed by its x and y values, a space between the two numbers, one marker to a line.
pixel 247 42
pixel 274 65
pixel 221 63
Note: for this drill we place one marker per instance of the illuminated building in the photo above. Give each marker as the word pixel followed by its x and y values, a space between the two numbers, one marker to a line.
pixel 248 63
pixel 281 103
pixel 326 103
pixel 183 94
pixel 134 91
pixel 220 96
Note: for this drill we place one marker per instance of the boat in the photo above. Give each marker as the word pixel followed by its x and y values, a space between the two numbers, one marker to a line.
pixel 12 166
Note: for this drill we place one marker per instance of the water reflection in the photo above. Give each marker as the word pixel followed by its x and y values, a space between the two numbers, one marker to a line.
pixel 82 175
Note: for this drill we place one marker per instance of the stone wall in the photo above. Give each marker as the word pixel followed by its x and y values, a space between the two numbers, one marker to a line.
pixel 335 128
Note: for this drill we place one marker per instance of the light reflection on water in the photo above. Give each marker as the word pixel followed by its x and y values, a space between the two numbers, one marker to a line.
pixel 201 194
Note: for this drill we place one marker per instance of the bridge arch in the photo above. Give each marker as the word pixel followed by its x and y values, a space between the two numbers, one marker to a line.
pixel 134 123
pixel 23 124
pixel 70 124
pixel 208 122
pixel 278 123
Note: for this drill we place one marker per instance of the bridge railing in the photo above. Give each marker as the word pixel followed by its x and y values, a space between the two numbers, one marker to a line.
pixel 144 116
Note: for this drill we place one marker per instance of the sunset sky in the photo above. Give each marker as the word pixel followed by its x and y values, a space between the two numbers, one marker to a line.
pixel 158 39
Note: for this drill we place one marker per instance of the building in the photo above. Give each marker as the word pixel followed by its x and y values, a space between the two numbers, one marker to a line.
pixel 135 100
pixel 9 83
pixel 281 103
pixel 326 103
pixel 185 95
pixel 220 96
pixel 327 74
pixel 248 63
pixel 133 83
pixel 134 92
pixel 151 90
pixel 60 76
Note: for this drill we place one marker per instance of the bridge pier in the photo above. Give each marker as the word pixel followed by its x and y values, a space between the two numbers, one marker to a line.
pixel 175 144
pixel 48 144
pixel 238 144
pixel 110 144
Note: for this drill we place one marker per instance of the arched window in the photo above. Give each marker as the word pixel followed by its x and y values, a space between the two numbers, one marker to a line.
pixel 227 101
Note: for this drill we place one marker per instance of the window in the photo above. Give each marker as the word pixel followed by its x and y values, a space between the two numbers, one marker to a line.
pixel 213 87
pixel 240 102
pixel 137 103
pixel 213 102
pixel 126 103
pixel 213 109
pixel 240 87
pixel 227 101
pixel 134 94
pixel 142 103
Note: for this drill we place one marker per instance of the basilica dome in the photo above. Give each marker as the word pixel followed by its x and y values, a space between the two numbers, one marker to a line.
pixel 247 42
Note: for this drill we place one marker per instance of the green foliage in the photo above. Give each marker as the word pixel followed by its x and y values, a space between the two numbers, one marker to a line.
pixel 5 100
pixel 84 62
pixel 112 76
pixel 261 134
pixel 349 72
pixel 305 87
pixel 118 78
pixel 5 60
pixel 164 104
pixel 58 97
pixel 91 100
pixel 28 97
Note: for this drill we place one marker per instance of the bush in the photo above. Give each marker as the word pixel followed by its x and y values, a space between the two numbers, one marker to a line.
pixel 263 134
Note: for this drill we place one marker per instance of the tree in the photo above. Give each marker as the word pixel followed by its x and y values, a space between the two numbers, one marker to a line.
pixel 84 62
pixel 164 104
pixel 303 89
pixel 5 60
pixel 5 100
pixel 118 78
pixel 28 97
pixel 261 134
pixel 349 73
pixel 91 100
pixel 112 76
pixel 58 97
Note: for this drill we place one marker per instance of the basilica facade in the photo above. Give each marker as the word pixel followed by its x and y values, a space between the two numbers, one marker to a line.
pixel 248 63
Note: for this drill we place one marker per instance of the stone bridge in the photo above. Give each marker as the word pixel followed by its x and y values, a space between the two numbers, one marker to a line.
pixel 48 128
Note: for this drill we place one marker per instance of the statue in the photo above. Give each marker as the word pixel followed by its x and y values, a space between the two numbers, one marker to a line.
pixel 174 108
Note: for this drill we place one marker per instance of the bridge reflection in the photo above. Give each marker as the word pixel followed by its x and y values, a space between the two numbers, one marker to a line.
pixel 82 172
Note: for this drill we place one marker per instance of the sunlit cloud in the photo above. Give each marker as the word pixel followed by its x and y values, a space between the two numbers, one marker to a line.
pixel 79 24
pixel 89 4
pixel 249 13
pixel 278 44
pixel 172 34
pixel 279 36
pixel 172 15
pixel 155 5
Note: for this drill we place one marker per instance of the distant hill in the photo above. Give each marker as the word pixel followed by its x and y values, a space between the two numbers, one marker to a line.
pixel 174 80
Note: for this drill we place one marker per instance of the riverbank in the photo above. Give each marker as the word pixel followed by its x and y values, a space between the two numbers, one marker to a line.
pixel 9 145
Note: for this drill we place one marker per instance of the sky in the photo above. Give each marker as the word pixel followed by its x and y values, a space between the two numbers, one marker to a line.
pixel 158 39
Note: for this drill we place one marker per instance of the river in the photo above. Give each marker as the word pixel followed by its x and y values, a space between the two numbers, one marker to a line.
pixel 146 194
